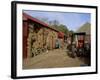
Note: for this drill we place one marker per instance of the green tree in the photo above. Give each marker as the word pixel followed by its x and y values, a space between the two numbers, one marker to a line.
pixel 63 28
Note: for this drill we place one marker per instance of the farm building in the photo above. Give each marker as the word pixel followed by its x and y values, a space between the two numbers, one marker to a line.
pixel 38 35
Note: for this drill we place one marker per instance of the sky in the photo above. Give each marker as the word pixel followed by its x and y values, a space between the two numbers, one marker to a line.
pixel 71 19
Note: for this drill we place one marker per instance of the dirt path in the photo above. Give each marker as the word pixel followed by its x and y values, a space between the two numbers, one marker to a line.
pixel 52 59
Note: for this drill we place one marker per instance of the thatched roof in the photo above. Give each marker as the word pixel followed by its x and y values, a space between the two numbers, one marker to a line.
pixel 85 28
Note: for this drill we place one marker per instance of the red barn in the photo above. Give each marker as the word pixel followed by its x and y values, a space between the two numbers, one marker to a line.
pixel 37 34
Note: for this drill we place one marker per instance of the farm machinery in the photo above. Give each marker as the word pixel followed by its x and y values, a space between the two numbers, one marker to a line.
pixel 79 46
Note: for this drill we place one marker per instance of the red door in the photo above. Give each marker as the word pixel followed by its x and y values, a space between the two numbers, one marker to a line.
pixel 80 41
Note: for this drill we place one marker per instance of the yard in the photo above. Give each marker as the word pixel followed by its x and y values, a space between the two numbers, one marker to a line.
pixel 52 59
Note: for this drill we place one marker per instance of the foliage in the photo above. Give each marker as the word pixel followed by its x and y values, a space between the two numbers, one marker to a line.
pixel 56 25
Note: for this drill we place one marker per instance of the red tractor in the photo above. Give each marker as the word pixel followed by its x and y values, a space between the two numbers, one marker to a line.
pixel 78 47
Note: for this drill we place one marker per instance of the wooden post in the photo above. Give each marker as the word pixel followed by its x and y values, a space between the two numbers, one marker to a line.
pixel 25 36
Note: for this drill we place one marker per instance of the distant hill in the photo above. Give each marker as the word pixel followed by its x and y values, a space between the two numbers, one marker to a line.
pixel 85 28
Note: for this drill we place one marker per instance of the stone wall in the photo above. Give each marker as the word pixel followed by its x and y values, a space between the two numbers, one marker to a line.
pixel 41 38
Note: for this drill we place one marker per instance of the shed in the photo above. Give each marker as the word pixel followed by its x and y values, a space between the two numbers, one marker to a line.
pixel 43 34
